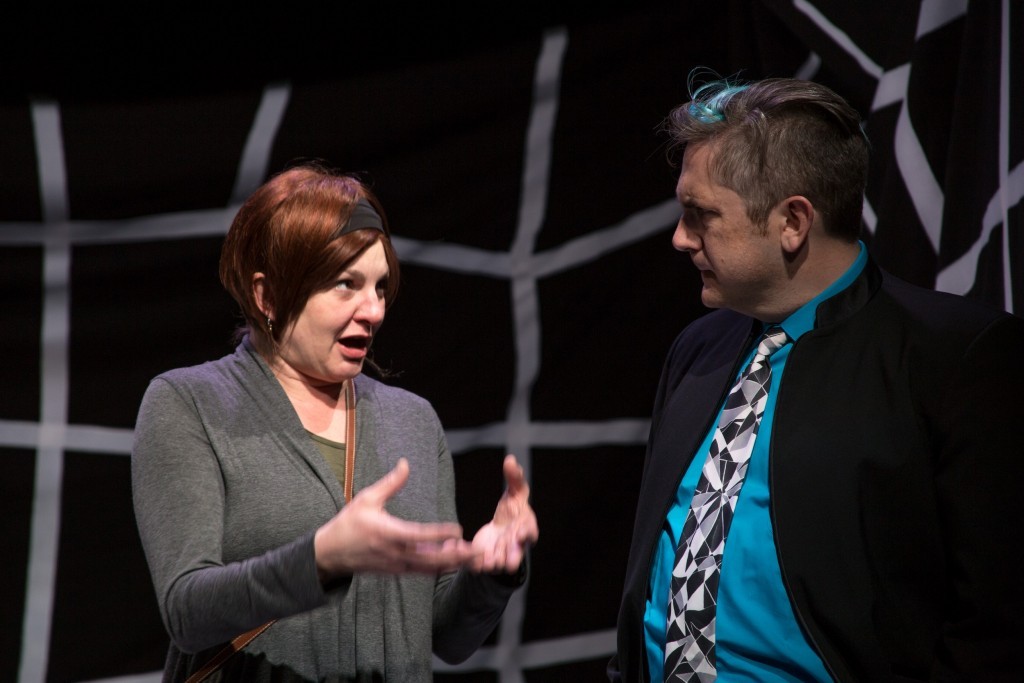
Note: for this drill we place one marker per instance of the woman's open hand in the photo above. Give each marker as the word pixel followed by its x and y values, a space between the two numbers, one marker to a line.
pixel 501 544
pixel 363 537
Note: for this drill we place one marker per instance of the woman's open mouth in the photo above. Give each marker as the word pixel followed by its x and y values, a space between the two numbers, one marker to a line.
pixel 355 346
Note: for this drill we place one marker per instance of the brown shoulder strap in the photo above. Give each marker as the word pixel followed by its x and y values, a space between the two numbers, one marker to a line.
pixel 350 437
pixel 231 648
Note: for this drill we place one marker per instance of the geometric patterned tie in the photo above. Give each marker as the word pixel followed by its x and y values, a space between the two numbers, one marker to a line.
pixel 690 637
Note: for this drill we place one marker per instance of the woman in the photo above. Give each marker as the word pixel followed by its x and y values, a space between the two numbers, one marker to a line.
pixel 279 485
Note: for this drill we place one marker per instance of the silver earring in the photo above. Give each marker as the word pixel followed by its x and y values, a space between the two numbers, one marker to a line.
pixel 270 325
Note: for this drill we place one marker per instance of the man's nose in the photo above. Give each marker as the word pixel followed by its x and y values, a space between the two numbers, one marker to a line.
pixel 683 239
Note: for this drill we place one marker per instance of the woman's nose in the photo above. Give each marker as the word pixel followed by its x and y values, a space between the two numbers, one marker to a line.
pixel 372 307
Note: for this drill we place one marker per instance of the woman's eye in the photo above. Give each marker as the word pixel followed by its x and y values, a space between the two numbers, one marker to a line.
pixel 344 284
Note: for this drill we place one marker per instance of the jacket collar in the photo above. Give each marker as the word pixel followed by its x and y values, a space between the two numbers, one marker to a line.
pixel 852 299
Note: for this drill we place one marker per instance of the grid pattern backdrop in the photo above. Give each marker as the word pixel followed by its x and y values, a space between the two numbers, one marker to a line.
pixel 518 157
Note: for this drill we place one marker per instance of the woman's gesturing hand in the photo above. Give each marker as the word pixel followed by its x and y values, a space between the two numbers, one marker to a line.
pixel 363 537
pixel 501 544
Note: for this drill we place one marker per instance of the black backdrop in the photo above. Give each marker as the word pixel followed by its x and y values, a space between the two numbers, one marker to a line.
pixel 517 154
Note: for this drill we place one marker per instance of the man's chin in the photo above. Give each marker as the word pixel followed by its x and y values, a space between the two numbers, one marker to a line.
pixel 711 299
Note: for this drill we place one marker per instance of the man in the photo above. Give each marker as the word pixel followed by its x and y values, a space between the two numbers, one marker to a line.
pixel 856 515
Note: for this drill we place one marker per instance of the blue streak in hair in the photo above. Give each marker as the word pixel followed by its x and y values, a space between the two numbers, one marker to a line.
pixel 710 99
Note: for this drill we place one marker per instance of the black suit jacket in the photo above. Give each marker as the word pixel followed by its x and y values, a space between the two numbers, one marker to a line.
pixel 896 472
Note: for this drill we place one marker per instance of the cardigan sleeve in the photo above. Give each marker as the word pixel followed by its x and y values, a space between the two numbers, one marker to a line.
pixel 467 605
pixel 179 497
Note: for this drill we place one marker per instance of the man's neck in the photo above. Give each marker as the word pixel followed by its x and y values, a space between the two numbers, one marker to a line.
pixel 810 273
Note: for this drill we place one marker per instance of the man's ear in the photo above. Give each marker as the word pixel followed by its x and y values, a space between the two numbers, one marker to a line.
pixel 797 216
pixel 259 294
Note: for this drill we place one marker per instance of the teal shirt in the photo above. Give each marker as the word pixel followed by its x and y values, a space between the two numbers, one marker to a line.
pixel 757 637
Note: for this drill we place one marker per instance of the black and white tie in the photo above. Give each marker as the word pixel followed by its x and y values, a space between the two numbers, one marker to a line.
pixel 690 638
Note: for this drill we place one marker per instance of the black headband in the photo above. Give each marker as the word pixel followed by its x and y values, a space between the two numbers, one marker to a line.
pixel 363 217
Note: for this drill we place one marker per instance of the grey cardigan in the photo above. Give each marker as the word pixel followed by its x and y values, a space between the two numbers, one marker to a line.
pixel 229 490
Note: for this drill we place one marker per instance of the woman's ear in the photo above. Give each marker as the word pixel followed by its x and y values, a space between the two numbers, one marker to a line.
pixel 259 294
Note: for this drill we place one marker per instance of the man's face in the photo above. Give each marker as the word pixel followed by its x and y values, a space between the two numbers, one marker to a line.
pixel 740 264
